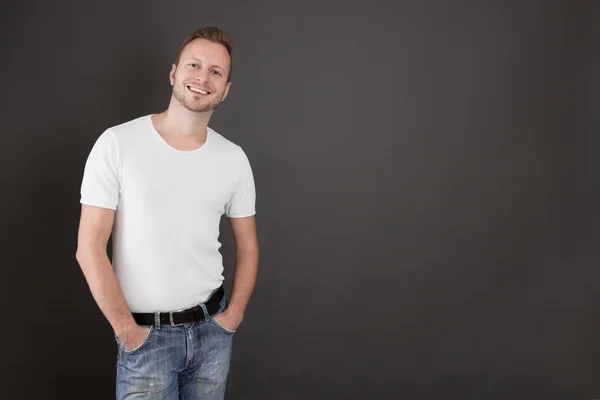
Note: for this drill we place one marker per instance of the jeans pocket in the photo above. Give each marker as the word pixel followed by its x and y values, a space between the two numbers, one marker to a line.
pixel 222 307
pixel 221 327
pixel 140 346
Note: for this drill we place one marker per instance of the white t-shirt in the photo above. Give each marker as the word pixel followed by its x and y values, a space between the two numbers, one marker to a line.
pixel 168 207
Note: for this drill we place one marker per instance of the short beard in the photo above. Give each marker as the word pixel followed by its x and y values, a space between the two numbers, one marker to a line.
pixel 180 97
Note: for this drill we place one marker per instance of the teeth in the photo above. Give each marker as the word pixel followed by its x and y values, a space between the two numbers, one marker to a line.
pixel 193 89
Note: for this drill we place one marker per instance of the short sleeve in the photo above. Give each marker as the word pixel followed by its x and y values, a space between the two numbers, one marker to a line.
pixel 243 199
pixel 101 184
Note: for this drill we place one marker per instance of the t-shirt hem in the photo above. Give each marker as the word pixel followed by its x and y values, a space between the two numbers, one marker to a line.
pixel 243 215
pixel 97 204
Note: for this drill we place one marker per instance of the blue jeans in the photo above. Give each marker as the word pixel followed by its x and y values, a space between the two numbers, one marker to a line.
pixel 189 361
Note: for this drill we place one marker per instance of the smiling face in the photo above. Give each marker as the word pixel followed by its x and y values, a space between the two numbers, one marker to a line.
pixel 200 78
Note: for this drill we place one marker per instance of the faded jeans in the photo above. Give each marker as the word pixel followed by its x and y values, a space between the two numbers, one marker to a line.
pixel 189 361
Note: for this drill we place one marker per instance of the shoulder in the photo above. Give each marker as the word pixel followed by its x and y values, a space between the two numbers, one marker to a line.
pixel 131 126
pixel 225 146
pixel 130 135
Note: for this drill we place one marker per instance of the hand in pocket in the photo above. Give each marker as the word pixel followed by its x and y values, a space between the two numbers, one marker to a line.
pixel 133 338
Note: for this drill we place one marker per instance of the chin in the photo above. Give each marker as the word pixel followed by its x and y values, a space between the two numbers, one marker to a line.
pixel 205 108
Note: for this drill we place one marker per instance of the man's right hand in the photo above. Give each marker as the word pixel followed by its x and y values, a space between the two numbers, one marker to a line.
pixel 133 337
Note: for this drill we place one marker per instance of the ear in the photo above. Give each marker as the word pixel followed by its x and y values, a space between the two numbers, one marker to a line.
pixel 226 91
pixel 172 74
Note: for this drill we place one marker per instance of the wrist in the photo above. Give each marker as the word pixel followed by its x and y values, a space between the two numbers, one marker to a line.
pixel 236 309
pixel 122 329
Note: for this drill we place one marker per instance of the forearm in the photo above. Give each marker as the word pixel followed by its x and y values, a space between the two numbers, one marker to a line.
pixel 106 290
pixel 244 277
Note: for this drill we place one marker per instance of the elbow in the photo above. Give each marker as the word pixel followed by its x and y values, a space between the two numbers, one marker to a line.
pixel 83 255
pixel 249 247
pixel 250 251
pixel 80 256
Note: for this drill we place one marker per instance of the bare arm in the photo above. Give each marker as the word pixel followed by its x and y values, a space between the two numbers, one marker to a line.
pixel 95 228
pixel 246 269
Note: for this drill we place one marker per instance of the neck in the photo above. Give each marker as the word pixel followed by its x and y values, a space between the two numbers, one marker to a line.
pixel 179 121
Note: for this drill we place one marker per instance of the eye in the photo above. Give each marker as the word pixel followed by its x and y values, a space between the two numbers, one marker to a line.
pixel 193 65
pixel 217 72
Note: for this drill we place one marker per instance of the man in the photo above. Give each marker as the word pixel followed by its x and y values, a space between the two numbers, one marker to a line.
pixel 160 184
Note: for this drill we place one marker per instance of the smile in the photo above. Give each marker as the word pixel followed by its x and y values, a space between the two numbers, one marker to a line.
pixel 198 90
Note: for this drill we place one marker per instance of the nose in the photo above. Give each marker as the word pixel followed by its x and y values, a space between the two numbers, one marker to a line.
pixel 201 75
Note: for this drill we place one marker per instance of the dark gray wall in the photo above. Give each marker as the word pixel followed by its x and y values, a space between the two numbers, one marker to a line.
pixel 427 179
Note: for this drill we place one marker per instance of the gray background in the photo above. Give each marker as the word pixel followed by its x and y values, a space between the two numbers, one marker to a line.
pixel 427 191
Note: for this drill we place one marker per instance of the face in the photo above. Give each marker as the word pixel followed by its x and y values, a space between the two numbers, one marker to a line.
pixel 200 80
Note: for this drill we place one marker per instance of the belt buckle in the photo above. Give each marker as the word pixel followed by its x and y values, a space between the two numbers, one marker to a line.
pixel 171 319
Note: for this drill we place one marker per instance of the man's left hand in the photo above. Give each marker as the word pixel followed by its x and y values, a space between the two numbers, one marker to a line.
pixel 229 320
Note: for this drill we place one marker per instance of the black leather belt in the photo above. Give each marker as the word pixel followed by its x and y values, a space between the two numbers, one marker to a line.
pixel 180 317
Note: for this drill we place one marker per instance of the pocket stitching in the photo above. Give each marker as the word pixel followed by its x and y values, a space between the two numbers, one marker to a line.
pixel 146 340
pixel 221 326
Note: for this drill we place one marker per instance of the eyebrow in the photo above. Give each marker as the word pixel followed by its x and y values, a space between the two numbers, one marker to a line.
pixel 200 61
